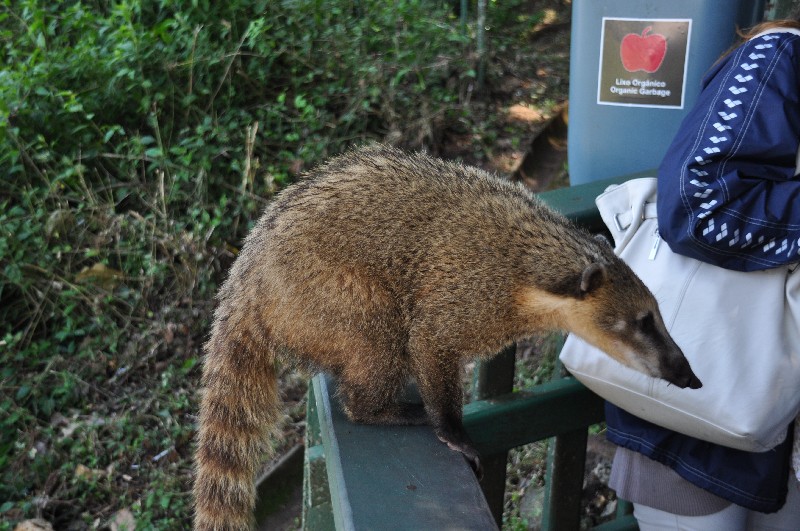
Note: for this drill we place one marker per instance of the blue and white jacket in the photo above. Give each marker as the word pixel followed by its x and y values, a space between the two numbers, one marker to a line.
pixel 727 191
pixel 728 195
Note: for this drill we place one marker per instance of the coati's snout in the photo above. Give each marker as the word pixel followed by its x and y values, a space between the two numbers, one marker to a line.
pixel 618 314
pixel 672 363
pixel 651 349
pixel 678 372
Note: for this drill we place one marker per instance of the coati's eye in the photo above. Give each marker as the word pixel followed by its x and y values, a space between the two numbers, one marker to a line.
pixel 646 323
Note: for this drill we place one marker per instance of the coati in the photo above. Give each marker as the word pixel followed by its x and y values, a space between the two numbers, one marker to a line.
pixel 379 266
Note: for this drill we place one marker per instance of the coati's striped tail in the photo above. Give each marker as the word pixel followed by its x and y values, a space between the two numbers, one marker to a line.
pixel 238 411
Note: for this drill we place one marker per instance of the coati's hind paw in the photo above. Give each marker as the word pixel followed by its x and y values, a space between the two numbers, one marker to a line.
pixel 469 453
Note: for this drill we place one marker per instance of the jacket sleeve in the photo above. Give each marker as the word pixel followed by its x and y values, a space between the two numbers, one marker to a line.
pixel 727 190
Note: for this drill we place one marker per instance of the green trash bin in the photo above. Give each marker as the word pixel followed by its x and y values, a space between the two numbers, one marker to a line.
pixel 635 70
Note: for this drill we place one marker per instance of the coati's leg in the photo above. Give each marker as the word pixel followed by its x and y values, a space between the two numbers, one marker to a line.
pixel 361 405
pixel 371 386
pixel 352 330
pixel 438 377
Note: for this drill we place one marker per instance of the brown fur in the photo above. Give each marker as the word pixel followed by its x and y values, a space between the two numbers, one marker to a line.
pixel 380 266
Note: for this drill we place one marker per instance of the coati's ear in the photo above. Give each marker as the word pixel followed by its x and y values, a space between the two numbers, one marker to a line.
pixel 578 285
pixel 592 278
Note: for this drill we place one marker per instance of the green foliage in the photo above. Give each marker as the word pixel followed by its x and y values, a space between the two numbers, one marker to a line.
pixel 139 142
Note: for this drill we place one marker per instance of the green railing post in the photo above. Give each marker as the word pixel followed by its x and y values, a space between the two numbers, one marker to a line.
pixel 493 378
pixel 566 459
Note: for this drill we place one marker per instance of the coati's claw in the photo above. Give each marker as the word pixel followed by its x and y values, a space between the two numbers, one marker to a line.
pixel 475 463
pixel 470 454
pixel 472 458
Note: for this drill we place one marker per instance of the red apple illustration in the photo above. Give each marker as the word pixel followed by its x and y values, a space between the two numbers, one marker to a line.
pixel 643 52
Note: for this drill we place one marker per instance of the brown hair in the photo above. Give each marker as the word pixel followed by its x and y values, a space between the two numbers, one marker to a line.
pixel 747 34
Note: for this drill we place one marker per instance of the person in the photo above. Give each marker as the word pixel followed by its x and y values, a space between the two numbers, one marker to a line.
pixel 728 194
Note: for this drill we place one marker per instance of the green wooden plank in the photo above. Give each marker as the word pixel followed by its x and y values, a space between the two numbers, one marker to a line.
pixel 627 523
pixel 317 507
pixel 395 477
pixel 577 202
pixel 624 508
pixel 499 424
pixel 312 435
pixel 318 519
pixel 340 501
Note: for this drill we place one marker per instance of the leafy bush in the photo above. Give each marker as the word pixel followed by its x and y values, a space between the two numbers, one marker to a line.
pixel 140 139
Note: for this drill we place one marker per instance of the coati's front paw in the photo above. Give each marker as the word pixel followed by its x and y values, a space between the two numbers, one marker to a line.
pixel 469 453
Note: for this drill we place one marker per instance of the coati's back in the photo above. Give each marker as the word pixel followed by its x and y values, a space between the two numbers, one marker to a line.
pixel 392 217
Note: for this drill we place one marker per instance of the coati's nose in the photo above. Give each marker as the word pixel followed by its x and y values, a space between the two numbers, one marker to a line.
pixel 677 371
pixel 694 382
pixel 682 376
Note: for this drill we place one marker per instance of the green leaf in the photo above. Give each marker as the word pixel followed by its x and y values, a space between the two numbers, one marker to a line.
pixel 189 364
